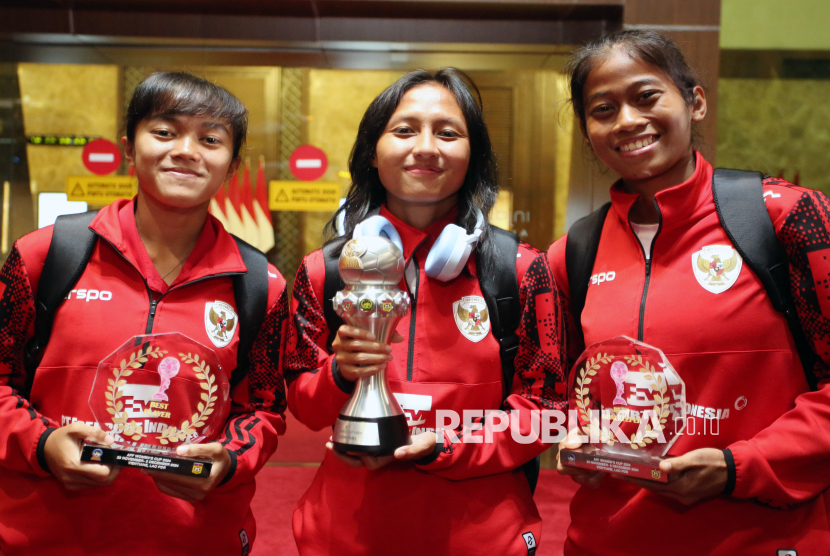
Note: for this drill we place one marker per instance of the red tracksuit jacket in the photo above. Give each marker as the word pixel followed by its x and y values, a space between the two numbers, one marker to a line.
pixel 745 386
pixel 37 514
pixel 467 498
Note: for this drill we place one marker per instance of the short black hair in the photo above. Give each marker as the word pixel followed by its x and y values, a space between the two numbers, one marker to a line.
pixel 648 46
pixel 480 188
pixel 178 93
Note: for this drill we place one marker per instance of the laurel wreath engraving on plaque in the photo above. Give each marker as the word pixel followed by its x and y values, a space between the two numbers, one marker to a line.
pixel 120 419
pixel 583 400
pixel 204 408
pixel 132 428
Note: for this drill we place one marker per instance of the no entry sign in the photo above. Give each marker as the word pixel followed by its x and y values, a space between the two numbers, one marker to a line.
pixel 102 157
pixel 308 163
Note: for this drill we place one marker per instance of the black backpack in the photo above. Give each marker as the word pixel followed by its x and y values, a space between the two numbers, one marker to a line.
pixel 500 289
pixel 739 200
pixel 69 252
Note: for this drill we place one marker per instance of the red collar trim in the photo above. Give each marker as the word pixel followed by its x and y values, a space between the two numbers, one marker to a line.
pixel 678 204
pixel 215 251
pixel 412 237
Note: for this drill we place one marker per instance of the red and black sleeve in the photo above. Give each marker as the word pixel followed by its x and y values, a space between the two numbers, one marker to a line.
pixel 778 466
pixel 538 386
pixel 316 390
pixel 258 401
pixel 23 430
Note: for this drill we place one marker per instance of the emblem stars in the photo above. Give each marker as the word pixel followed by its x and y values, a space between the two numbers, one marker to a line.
pixel 220 323
pixel 472 318
pixel 716 267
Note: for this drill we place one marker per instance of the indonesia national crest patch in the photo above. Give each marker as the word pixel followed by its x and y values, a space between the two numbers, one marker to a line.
pixel 716 267
pixel 221 322
pixel 471 317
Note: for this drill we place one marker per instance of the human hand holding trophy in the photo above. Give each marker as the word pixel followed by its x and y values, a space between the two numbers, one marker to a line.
pixel 153 395
pixel 629 406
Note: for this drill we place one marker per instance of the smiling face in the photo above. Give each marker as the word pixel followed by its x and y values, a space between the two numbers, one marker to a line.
pixel 181 161
pixel 638 123
pixel 424 150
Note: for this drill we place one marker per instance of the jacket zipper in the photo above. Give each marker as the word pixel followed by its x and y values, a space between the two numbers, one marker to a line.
pixel 148 329
pixel 154 302
pixel 648 267
pixel 410 356
pixel 413 303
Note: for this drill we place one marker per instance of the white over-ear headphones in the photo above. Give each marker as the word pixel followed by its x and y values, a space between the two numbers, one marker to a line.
pixel 448 254
pixel 377 225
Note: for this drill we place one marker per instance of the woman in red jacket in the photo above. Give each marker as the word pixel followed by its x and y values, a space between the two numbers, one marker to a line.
pixel 754 439
pixel 160 262
pixel 423 161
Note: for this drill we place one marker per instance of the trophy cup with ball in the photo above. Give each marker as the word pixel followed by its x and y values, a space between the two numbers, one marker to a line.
pixel 372 421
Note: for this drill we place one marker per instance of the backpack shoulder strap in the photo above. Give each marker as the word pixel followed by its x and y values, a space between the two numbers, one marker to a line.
pixel 501 294
pixel 69 252
pixel 250 291
pixel 739 200
pixel 580 253
pixel 333 284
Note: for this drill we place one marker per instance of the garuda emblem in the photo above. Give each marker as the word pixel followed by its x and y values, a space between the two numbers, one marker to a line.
pixel 716 267
pixel 472 318
pixel 220 322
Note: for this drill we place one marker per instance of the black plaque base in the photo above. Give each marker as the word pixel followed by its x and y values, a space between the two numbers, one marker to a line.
pixel 146 458
pixel 380 436
pixel 641 468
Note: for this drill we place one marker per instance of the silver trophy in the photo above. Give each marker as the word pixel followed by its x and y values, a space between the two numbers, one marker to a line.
pixel 372 421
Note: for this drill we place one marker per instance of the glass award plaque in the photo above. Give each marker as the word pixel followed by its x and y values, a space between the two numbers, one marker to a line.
pixel 156 393
pixel 629 406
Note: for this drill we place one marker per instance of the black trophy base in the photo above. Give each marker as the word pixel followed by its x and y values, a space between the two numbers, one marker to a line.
pixel 147 458
pixel 379 436
pixel 647 468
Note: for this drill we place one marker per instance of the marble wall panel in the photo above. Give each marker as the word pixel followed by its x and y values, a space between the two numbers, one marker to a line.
pixel 775 126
